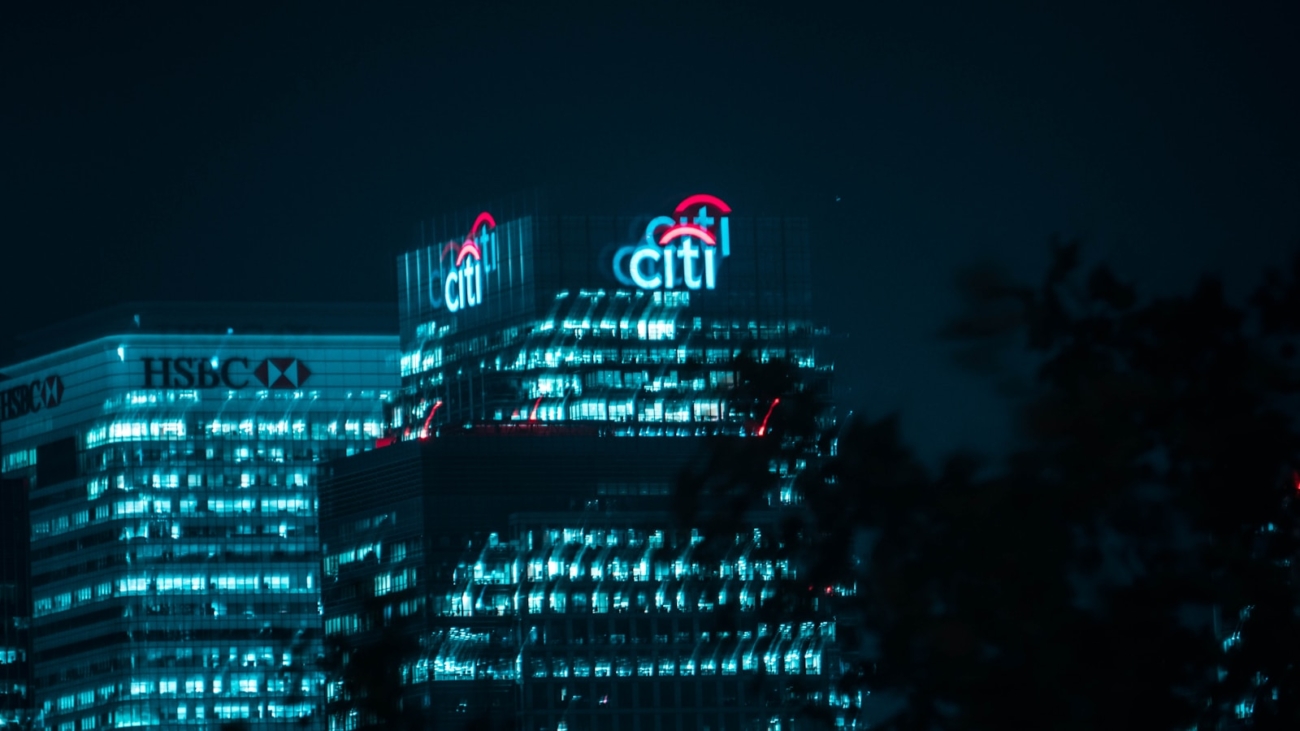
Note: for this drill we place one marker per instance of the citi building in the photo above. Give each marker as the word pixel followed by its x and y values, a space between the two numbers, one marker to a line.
pixel 517 315
pixel 169 456
pixel 558 373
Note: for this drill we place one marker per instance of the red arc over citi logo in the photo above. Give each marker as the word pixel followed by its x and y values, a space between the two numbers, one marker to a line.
pixel 462 272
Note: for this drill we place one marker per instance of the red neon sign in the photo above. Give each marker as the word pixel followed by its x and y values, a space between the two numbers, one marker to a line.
pixel 687 230
pixel 702 199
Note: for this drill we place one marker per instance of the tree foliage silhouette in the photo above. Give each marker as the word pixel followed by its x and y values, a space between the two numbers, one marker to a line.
pixel 365 668
pixel 1131 565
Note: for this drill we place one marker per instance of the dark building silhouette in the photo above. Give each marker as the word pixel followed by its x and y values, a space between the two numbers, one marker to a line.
pixel 543 583
pixel 15 605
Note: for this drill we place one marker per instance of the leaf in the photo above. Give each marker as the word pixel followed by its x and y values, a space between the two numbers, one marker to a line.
pixel 1104 287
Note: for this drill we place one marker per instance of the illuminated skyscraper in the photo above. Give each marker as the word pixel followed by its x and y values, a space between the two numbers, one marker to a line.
pixel 634 322
pixel 526 542
pixel 172 457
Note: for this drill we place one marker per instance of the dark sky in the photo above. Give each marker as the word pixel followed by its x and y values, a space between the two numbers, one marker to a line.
pixel 286 153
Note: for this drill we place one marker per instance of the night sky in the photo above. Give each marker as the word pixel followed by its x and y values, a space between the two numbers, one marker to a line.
pixel 288 153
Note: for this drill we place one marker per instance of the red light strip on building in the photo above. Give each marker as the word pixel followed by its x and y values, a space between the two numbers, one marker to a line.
pixel 424 432
pixel 762 428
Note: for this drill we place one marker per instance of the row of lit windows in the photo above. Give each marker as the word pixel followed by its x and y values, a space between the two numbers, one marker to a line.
pixel 290 554
pixel 18 459
pixel 643 569
pixel 681 430
pixel 142 715
pixel 163 583
pixel 186 452
pixel 595 537
pixel 573 384
pixel 395 552
pixel 273 477
pixel 176 530
pixel 557 356
pixel 445 667
pixel 782 631
pixel 618 410
pixel 558 601
pixel 187 397
pixel 498 569
pixel 233 684
pixel 163 506
pixel 195 527
pixel 297 429
pixel 794 660
pixel 595 353
pixel 657 323
pixel 603 602
pixel 166 658
pixel 396 581
pixel 177 429
pixel 553 356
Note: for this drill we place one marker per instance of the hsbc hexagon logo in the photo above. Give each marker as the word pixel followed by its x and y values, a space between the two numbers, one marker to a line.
pixel 279 373
pixel 29 398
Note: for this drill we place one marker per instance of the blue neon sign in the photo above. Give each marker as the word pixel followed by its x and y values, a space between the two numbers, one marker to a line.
pixel 461 266
pixel 681 251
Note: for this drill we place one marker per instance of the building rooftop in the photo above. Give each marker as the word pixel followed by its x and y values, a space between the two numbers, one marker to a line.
pixel 212 318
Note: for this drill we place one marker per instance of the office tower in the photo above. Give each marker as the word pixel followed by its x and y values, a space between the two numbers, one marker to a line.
pixel 558 371
pixel 537 578
pixel 635 322
pixel 171 453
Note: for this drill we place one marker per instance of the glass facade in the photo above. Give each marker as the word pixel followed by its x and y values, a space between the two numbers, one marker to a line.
pixel 175 565
pixel 545 582
pixel 626 625
pixel 568 337
pixel 524 537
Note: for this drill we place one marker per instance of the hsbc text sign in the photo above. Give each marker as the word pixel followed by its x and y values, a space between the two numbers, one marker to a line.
pixel 232 372
pixel 29 398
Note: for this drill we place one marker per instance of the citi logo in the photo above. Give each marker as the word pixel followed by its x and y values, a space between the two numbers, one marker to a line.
pixel 681 251
pixel 462 287
pixel 30 398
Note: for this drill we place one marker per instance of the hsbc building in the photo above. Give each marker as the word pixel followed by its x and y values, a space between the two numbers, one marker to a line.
pixel 172 458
